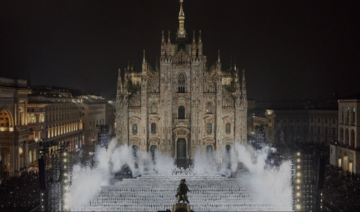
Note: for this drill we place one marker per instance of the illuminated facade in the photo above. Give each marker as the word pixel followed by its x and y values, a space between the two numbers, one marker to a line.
pixel 13 125
pixel 183 104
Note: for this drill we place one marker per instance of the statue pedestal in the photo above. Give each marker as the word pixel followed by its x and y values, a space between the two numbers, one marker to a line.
pixel 181 207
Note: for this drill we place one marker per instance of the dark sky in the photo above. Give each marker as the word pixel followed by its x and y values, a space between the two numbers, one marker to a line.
pixel 289 48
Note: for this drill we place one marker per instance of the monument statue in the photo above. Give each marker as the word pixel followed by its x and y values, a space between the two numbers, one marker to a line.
pixel 182 192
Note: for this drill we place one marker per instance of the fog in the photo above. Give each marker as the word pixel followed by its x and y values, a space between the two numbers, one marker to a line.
pixel 270 185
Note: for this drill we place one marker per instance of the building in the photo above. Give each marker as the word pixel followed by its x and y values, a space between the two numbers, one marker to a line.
pixel 183 104
pixel 345 151
pixel 13 125
pixel 54 116
pixel 97 111
pixel 51 115
pixel 292 126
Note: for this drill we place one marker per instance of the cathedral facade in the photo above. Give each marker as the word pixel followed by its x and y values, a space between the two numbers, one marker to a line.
pixel 182 104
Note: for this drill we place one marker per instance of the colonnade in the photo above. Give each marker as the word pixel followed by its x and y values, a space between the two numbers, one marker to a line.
pixel 63 129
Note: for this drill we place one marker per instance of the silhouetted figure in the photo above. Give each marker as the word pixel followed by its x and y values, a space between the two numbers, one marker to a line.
pixel 182 192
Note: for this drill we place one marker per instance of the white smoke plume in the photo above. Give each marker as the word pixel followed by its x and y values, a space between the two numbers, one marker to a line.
pixel 268 185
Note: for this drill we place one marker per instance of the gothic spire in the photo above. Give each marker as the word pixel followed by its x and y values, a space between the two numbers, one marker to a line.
pixel 144 56
pixel 219 56
pixel 169 37
pixel 200 47
pixel 243 85
pixel 200 41
pixel 235 63
pixel 162 37
pixel 120 83
pixel 181 31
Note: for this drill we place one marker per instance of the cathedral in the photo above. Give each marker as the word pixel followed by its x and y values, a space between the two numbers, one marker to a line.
pixel 182 104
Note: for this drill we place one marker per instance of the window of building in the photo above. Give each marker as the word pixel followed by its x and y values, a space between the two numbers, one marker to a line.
pixel 341 135
pixel 291 129
pixel 318 130
pixel 342 116
pixel 353 116
pixel 181 84
pixel 228 128
pixel 153 128
pixel 209 128
pixel 312 120
pixel 134 128
pixel 90 126
pixel 311 129
pixel 318 120
pixel 326 130
pixel 333 131
pixel 153 107
pixel 348 116
pixel 181 112
pixel 333 121
pixel 325 120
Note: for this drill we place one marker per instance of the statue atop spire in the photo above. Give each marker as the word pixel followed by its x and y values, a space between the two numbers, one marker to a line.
pixel 181 31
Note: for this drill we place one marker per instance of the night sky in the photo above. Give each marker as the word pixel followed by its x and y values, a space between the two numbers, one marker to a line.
pixel 289 48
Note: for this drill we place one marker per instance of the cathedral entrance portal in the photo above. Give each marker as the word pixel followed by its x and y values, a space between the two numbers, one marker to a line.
pixel 181 149
pixel 181 153
pixel 152 151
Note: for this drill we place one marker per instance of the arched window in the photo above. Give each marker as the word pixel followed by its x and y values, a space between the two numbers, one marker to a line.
pixel 348 116
pixel 181 112
pixel 153 128
pixel 228 128
pixel 30 157
pixel 181 83
pixel 153 107
pixel 134 128
pixel 352 138
pixel 353 116
pixel 209 107
pixel 347 137
pixel 341 135
pixel 209 128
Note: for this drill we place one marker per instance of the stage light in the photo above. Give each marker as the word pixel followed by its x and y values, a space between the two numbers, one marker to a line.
pixel 298 174
pixel 298 187
pixel 64 160
pixel 298 167
pixel 298 194
pixel 298 181
pixel 298 153
pixel 298 160
pixel 65 154
pixel 298 206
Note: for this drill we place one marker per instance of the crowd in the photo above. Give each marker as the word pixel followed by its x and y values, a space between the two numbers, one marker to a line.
pixel 341 190
pixel 20 193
